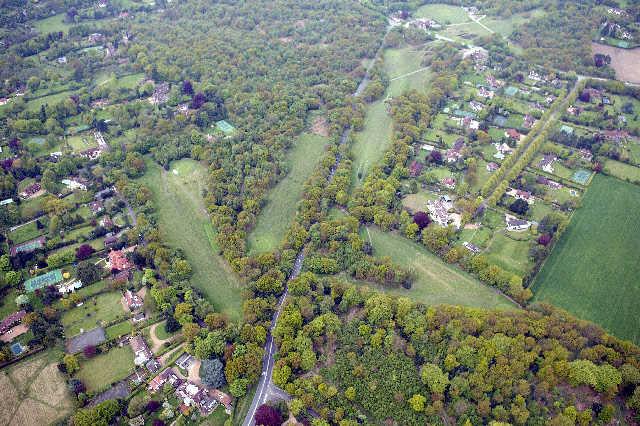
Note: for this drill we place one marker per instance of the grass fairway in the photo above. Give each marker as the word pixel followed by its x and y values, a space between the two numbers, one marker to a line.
pixel 185 223
pixel 593 271
pixel 277 215
pixel 99 372
pixel 370 144
pixel 436 282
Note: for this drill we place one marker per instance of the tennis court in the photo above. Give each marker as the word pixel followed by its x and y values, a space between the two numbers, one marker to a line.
pixel 224 126
pixel 28 246
pixel 50 278
pixel 581 177
pixel 510 91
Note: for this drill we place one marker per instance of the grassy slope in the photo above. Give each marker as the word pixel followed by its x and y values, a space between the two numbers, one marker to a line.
pixel 184 223
pixel 277 215
pixel 436 282
pixel 370 143
pixel 593 271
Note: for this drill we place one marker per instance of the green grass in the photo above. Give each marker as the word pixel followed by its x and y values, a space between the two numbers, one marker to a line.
pixel 8 303
pixel 436 282
pixel 34 104
pixel 162 334
pixel 282 201
pixel 622 170
pixel 25 233
pixel 52 24
pixel 119 329
pixel 99 372
pixel 81 142
pixel 443 13
pixel 104 307
pixel 373 140
pixel 185 223
pixel 511 254
pixel 29 208
pixel 593 270
pixel 505 26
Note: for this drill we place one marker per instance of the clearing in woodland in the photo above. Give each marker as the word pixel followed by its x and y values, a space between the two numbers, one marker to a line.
pixel 283 199
pixel 185 224
pixel 436 282
pixel 405 70
pixel 593 270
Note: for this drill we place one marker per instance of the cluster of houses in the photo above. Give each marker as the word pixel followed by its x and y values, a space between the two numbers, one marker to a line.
pixel 441 212
pixel 519 194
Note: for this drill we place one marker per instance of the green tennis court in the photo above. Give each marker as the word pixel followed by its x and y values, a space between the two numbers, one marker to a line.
pixel 50 278
pixel 581 177
pixel 225 126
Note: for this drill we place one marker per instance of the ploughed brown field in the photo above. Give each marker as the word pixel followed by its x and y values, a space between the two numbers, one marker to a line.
pixel 626 62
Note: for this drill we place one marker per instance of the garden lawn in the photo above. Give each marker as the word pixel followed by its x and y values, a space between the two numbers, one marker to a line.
pixel 26 233
pixel 99 372
pixel 511 254
pixel 282 201
pixel 34 104
pixel 436 282
pixel 105 307
pixel 184 223
pixel 593 270
pixel 119 329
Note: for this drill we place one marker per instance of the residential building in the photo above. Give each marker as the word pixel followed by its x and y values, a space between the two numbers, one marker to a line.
pixel 132 300
pixel 167 376
pixel 141 351
pixel 546 163
pixel 515 224
pixel 118 261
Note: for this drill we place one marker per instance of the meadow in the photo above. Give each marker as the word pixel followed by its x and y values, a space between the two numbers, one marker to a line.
pixel 52 24
pixel 436 282
pixel 622 170
pixel 184 223
pixel 282 201
pixel 593 270
pixel 100 371
pixel 443 13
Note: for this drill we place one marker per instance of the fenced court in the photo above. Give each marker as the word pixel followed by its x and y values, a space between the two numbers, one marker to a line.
pixel 224 126
pixel 581 176
pixel 510 91
pixel 28 246
pixel 50 278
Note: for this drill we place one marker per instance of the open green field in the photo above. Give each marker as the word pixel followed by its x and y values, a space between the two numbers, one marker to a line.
pixel 185 223
pixel 370 144
pixel 405 70
pixel 104 307
pixel 443 13
pixel 129 81
pixel 622 170
pixel 81 142
pixel 100 371
pixel 52 24
pixel 282 201
pixel 593 270
pixel 505 26
pixel 25 233
pixel 119 329
pixel 510 251
pixel 34 104
pixel 436 282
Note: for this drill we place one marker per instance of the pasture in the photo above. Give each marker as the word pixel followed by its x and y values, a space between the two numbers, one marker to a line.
pixel 184 223
pixel 436 282
pixel 622 171
pixel 52 24
pixel 34 392
pixel 99 372
pixel 94 312
pixel 283 199
pixel 593 270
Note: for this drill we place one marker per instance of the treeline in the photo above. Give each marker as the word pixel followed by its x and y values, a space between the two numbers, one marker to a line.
pixel 352 355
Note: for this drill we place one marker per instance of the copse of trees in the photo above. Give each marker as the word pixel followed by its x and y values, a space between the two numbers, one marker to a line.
pixel 463 365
